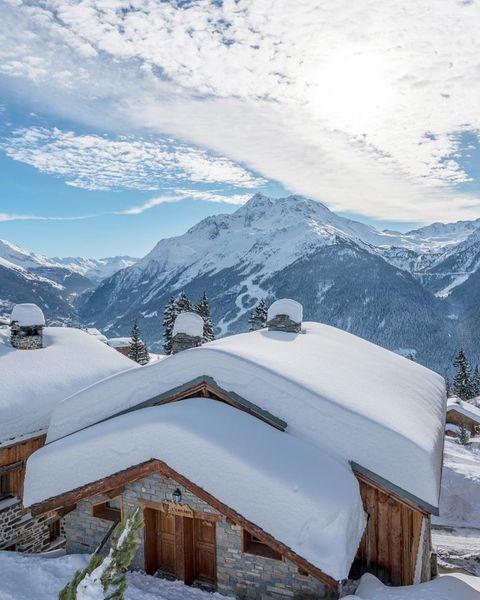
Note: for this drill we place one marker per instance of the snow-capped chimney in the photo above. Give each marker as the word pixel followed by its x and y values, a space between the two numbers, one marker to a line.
pixel 285 315
pixel 187 332
pixel 26 327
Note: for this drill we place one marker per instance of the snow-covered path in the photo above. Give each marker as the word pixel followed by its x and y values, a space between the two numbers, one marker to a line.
pixel 457 547
pixel 27 577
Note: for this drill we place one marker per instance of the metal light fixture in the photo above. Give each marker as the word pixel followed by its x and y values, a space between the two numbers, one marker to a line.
pixel 177 496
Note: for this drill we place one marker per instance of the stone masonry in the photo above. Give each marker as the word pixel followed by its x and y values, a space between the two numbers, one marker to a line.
pixel 26 338
pixel 20 531
pixel 244 576
pixel 183 341
pixel 284 323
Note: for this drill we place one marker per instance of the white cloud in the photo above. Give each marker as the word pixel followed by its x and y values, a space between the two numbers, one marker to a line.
pixel 356 104
pixel 98 163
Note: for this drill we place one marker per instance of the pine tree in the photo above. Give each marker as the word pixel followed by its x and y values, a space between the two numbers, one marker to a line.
pixel 476 382
pixel 448 387
pixel 105 577
pixel 169 315
pixel 137 350
pixel 203 309
pixel 258 316
pixel 462 382
pixel 464 436
pixel 183 303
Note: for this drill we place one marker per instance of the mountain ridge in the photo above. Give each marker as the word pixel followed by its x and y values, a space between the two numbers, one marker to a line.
pixel 266 243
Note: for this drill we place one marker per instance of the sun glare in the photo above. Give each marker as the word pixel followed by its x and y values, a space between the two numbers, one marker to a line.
pixel 350 89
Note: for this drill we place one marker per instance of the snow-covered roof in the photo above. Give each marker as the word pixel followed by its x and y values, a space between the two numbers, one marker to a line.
pixel 263 474
pixel 27 315
pixel 364 403
pixel 286 306
pixel 97 334
pixel 35 381
pixel 189 323
pixel 464 408
pixel 119 342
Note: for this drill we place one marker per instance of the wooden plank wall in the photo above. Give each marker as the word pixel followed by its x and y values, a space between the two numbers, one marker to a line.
pixel 19 453
pixel 390 543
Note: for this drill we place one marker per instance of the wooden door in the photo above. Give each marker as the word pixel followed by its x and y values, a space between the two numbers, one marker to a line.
pixel 166 543
pixel 204 544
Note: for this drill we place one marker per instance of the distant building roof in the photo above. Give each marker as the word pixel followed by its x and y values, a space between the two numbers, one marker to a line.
pixel 119 342
pixel 464 408
pixel 27 315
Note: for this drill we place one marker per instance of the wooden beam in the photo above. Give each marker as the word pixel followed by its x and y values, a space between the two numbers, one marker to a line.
pixel 157 466
pixel 12 467
pixel 118 491
pixel 363 474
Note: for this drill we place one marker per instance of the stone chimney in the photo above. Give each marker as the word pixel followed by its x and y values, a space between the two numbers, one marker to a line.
pixel 187 332
pixel 26 327
pixel 285 315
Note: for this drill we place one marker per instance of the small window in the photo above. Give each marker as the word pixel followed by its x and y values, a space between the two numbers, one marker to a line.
pixel 111 510
pixel 253 545
pixel 5 491
pixel 54 530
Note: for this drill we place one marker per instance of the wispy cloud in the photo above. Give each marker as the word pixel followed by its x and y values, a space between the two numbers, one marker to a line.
pixel 178 196
pixel 4 217
pixel 360 105
pixel 96 162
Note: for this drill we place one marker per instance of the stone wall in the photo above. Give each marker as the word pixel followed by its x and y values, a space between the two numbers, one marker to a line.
pixel 284 323
pixel 20 531
pixel 26 338
pixel 183 341
pixel 245 576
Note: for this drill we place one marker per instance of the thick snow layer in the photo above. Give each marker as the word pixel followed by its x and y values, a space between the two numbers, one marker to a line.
pixel 27 577
pixel 447 587
pixel 460 496
pixel 286 306
pixel 294 491
pixel 27 314
pixel 35 381
pixel 365 403
pixel 464 408
pixel 189 323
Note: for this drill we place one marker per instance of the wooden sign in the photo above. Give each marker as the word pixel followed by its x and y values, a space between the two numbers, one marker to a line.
pixel 180 510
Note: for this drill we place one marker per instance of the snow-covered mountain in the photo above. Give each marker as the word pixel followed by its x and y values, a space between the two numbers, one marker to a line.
pixel 96 269
pixel 55 283
pixel 346 273
pixel 415 292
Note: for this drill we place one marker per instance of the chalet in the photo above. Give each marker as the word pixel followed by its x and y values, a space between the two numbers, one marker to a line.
pixel 462 414
pixel 275 463
pixel 39 367
pixel 121 344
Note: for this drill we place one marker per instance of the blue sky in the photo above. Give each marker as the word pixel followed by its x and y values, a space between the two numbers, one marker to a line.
pixel 120 126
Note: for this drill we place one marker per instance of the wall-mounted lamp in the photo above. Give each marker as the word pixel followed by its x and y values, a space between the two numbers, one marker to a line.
pixel 177 496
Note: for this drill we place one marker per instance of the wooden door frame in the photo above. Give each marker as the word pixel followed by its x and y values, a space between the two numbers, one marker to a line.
pixel 184 538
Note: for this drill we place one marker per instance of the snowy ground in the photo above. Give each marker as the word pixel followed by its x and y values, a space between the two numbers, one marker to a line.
pixel 447 587
pixel 457 548
pixel 24 577
pixel 456 532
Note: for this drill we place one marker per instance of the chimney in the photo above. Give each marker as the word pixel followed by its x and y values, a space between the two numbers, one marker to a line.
pixel 187 332
pixel 26 327
pixel 285 315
